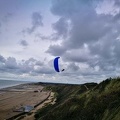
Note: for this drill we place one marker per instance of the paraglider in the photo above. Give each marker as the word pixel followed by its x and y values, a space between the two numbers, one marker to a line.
pixel 56 65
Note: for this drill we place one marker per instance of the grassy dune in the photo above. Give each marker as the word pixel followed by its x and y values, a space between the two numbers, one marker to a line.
pixel 84 102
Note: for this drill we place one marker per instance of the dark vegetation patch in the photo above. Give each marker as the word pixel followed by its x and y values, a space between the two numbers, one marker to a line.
pixel 89 101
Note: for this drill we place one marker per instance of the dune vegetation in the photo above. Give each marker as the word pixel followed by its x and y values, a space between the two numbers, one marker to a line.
pixel 90 101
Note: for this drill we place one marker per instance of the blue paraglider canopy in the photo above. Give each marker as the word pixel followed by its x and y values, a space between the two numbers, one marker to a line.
pixel 56 66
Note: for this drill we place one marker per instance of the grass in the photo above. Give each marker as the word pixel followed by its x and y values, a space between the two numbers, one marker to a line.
pixel 84 102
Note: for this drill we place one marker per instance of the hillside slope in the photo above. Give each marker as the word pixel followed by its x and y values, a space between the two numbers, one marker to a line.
pixel 84 102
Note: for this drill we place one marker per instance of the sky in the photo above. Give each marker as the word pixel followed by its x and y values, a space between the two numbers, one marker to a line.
pixel 85 35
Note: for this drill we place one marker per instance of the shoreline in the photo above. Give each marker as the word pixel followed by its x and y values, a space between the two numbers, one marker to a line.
pixel 15 83
pixel 13 86
pixel 15 97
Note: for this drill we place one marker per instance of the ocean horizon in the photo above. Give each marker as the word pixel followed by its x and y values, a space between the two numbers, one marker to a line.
pixel 10 83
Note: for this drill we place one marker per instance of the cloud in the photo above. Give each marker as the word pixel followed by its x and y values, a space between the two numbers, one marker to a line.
pixel 85 23
pixel 36 22
pixel 43 37
pixel 30 66
pixel 117 3
pixel 23 43
pixel 56 50
pixel 82 54
pixel 85 34
pixel 91 38
pixel 8 65
pixel 2 59
pixel 73 67
pixel 61 28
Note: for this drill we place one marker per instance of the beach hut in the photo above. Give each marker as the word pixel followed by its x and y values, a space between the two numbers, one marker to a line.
pixel 26 108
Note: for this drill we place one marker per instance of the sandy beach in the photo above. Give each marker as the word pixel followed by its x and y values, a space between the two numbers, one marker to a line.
pixel 13 98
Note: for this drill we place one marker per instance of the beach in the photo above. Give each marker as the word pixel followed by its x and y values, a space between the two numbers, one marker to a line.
pixel 13 99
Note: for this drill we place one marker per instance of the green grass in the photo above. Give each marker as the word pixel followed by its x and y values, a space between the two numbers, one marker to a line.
pixel 76 102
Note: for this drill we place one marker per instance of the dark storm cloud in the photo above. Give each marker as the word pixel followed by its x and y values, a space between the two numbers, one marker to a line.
pixel 30 66
pixel 36 22
pixel 23 43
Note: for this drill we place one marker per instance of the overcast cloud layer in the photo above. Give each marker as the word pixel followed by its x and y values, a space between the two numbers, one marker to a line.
pixel 84 33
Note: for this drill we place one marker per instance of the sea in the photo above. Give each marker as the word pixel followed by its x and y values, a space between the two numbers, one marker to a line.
pixel 10 83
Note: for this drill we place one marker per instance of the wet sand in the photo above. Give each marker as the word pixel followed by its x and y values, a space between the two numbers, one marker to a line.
pixel 15 97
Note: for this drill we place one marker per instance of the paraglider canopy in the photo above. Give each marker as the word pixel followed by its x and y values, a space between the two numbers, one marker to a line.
pixel 56 65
